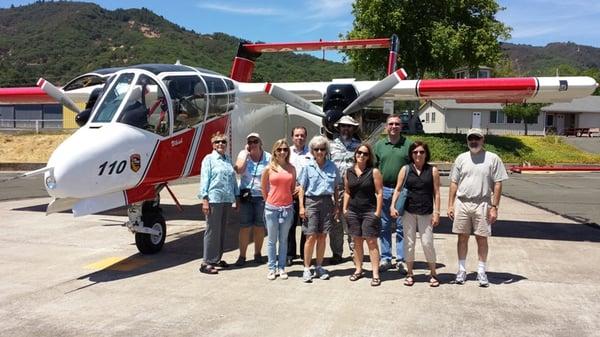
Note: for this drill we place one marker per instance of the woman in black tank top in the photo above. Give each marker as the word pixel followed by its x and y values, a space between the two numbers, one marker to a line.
pixel 421 210
pixel 363 199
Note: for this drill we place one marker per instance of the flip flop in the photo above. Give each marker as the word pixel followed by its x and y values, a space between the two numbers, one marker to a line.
pixel 375 282
pixel 357 276
pixel 434 282
pixel 409 281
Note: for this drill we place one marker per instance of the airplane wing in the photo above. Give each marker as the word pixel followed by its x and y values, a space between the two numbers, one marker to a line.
pixel 487 90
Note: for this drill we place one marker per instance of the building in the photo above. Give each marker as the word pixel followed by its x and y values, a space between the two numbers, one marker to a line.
pixel 447 116
pixel 579 113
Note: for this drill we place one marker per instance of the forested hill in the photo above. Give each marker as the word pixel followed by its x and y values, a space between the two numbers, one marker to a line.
pixel 567 57
pixel 59 40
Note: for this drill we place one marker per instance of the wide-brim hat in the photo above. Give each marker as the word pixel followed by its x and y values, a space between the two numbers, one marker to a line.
pixel 348 120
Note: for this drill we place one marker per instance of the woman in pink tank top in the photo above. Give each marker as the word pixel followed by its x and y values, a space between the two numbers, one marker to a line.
pixel 278 184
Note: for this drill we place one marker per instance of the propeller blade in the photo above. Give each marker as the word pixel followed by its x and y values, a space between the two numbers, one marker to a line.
pixel 293 100
pixel 378 90
pixel 57 94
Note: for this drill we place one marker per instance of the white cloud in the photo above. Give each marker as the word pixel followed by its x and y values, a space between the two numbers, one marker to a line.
pixel 238 9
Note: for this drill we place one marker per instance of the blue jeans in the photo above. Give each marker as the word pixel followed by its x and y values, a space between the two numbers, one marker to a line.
pixel 278 221
pixel 385 236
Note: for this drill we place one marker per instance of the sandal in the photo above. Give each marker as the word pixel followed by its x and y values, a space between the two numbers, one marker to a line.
pixel 208 269
pixel 357 276
pixel 409 281
pixel 375 282
pixel 434 282
pixel 223 264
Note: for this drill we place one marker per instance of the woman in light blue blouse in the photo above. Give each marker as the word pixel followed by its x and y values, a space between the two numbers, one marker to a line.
pixel 218 191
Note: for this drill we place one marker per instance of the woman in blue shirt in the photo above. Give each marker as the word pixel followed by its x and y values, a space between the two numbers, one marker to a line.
pixel 218 191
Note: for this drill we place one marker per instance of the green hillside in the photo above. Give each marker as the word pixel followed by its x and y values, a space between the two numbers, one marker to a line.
pixel 59 40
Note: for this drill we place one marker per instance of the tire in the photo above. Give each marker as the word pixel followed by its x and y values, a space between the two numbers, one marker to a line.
pixel 152 244
pixel 578 134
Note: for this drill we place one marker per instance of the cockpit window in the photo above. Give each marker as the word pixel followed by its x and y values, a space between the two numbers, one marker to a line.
pixel 84 82
pixel 146 107
pixel 113 98
pixel 189 100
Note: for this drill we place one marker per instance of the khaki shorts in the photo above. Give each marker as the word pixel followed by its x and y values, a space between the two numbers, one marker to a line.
pixel 471 217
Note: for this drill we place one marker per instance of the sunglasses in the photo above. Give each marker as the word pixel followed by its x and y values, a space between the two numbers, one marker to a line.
pixel 282 149
pixel 220 142
pixel 419 152
pixel 361 153
pixel 256 141
pixel 470 138
pixel 320 149
pixel 345 125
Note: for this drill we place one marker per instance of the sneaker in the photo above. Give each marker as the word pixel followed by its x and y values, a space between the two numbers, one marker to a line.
pixel 282 274
pixel 483 280
pixel 306 276
pixel 336 259
pixel 271 275
pixel 321 273
pixel 461 277
pixel 385 266
pixel 401 268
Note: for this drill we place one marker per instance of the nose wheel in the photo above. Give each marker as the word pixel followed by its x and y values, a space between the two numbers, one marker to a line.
pixel 151 231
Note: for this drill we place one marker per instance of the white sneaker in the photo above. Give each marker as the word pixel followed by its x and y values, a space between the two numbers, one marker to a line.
pixel 461 277
pixel 282 274
pixel 483 280
pixel 271 275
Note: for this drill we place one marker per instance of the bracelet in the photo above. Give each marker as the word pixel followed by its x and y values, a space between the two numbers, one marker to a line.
pixel 436 212
pixel 494 206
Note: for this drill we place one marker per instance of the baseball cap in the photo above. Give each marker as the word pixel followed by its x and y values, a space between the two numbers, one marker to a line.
pixel 475 132
pixel 253 135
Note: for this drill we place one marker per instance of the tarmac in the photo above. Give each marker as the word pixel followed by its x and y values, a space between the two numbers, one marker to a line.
pixel 84 277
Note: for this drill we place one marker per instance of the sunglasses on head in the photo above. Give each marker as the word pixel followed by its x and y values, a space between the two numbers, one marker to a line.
pixel 320 149
pixel 282 149
pixel 220 141
pixel 254 141
pixel 362 153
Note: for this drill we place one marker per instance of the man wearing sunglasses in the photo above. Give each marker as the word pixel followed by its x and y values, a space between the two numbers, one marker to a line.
pixel 475 190
pixel 342 155
pixel 391 154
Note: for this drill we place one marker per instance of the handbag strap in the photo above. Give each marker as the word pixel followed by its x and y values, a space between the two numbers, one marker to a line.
pixel 256 168
pixel 407 166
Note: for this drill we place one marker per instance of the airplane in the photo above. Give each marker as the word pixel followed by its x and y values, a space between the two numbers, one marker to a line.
pixel 147 125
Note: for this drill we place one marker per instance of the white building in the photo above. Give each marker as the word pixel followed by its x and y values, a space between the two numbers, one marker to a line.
pixel 579 113
pixel 447 116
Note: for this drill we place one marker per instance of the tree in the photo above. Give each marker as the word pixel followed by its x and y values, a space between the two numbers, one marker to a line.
pixel 527 112
pixel 435 36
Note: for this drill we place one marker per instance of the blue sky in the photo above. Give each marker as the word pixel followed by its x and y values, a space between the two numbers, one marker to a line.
pixel 535 22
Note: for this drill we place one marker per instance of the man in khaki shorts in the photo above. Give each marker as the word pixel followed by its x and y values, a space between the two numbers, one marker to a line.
pixel 475 190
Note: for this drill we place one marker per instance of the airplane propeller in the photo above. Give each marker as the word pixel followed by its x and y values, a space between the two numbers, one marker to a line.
pixel 57 94
pixel 368 96
pixel 293 100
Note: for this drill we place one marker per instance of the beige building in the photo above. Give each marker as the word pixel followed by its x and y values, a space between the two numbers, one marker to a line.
pixel 579 113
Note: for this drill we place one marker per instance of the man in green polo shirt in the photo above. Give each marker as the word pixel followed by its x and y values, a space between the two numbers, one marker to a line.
pixel 391 154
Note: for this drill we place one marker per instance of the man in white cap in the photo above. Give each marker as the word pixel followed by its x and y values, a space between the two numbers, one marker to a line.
pixel 342 155
pixel 475 190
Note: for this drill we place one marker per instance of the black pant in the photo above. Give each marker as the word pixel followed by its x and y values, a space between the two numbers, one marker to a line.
pixel 291 249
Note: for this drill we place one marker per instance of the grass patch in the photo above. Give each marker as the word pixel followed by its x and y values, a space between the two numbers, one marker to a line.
pixel 512 149
pixel 29 147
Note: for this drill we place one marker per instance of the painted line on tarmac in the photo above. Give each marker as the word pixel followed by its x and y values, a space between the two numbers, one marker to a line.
pixel 118 264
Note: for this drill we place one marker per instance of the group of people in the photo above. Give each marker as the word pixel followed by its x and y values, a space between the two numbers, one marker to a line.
pixel 347 187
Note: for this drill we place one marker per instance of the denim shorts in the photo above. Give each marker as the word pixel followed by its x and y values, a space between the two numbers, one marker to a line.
pixel 252 213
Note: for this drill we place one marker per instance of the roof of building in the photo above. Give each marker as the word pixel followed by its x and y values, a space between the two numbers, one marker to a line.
pixel 586 104
pixel 451 104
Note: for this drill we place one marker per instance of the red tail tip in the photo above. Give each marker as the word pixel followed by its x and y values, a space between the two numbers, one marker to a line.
pixel 40 82
pixel 268 88
pixel 402 73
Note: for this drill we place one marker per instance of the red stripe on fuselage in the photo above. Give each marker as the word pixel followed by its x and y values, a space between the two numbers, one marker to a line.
pixel 205 145
pixel 169 160
pixel 140 193
pixel 511 89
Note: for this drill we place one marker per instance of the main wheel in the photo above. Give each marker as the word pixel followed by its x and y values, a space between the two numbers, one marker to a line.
pixel 147 243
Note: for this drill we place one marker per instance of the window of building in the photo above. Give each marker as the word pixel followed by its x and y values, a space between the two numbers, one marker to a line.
pixel 433 117
pixel 549 120
pixel 427 117
pixel 513 120
pixel 496 117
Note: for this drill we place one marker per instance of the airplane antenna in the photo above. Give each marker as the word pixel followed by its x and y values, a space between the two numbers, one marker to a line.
pixel 177 63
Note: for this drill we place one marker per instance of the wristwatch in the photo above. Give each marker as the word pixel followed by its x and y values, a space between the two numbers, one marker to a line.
pixel 495 206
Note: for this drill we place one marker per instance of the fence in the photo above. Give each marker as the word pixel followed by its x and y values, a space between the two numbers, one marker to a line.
pixel 31 124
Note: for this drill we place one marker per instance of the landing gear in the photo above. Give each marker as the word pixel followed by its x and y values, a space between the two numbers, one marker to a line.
pixel 148 224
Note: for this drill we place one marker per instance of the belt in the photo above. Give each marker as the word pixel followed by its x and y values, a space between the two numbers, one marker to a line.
pixel 475 200
pixel 389 185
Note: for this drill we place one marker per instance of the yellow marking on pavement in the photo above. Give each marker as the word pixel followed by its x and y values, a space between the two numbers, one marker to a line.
pixel 118 263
